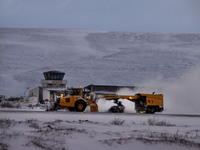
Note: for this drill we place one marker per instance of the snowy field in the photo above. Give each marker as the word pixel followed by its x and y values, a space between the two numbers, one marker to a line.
pixel 165 63
pixel 101 131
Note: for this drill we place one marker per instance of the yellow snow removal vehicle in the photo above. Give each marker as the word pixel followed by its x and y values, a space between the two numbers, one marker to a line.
pixel 77 99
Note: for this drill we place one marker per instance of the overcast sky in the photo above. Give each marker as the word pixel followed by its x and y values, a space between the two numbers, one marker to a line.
pixel 110 15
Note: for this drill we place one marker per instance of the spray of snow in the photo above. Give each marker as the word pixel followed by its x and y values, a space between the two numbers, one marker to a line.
pixel 129 106
pixel 181 96
pixel 104 105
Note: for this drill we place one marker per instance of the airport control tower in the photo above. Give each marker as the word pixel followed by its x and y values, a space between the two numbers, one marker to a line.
pixel 54 79
pixel 52 87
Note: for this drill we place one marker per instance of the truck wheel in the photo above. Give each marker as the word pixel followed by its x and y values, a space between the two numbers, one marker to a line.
pixel 121 111
pixel 150 110
pixel 137 111
pixel 71 108
pixel 80 105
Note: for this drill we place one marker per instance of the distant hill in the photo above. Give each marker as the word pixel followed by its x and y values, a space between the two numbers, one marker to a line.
pixel 92 57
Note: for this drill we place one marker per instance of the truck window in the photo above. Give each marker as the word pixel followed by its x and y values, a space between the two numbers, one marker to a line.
pixel 74 92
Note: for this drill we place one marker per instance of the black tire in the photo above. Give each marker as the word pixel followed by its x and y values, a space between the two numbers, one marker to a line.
pixel 121 111
pixel 80 105
pixel 137 111
pixel 150 110
pixel 113 109
pixel 71 109
pixel 116 109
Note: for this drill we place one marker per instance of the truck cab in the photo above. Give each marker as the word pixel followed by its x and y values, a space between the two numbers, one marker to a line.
pixel 74 100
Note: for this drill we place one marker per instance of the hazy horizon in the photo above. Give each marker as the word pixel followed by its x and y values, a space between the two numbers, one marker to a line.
pixel 169 16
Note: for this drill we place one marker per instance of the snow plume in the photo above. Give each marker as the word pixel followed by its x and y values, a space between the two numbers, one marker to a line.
pixel 104 105
pixel 181 96
pixel 129 106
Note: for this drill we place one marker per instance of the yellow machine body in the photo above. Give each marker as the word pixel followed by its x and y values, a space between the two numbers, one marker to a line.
pixel 144 103
pixel 70 99
pixel 153 99
pixel 77 100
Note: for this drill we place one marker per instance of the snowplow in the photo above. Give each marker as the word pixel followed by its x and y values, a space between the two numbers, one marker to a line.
pixel 77 99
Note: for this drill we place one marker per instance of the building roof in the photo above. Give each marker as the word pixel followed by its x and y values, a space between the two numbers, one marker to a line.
pixel 54 89
pixel 53 71
pixel 54 75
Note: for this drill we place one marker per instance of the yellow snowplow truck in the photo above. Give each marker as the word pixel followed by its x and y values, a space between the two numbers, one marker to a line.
pixel 77 99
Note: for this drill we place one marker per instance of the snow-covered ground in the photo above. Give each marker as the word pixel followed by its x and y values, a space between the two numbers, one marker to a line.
pixel 100 131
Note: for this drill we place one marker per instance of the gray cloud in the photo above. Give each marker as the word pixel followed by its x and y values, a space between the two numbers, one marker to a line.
pixel 111 15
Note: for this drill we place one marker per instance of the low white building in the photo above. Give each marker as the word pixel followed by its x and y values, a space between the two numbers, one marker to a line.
pixel 52 87
pixel 2 97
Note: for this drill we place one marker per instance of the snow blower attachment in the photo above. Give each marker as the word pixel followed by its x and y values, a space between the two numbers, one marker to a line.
pixel 117 109
pixel 77 99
